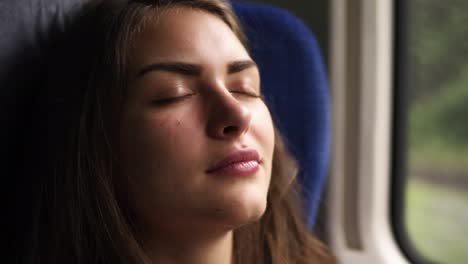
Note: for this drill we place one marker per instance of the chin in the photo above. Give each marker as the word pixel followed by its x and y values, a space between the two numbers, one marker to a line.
pixel 242 210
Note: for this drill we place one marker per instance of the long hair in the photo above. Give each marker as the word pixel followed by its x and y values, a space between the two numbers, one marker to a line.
pixel 79 217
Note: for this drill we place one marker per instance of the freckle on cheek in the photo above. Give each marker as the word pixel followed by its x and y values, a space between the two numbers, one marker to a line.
pixel 162 123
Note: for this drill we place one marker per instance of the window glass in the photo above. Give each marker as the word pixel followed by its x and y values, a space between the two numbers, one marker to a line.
pixel 434 50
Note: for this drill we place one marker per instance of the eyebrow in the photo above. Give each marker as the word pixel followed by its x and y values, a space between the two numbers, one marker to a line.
pixel 238 66
pixel 189 69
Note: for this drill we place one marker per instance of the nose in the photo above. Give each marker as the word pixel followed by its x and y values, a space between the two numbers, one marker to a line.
pixel 228 118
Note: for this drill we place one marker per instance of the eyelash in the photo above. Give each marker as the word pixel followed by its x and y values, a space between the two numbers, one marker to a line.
pixel 171 100
pixel 249 94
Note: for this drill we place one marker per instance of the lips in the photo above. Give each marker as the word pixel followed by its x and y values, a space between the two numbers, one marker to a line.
pixel 240 162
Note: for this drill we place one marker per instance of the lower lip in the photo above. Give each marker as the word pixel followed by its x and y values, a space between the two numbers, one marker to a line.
pixel 238 169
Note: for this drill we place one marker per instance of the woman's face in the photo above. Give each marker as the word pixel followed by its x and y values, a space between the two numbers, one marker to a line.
pixel 196 140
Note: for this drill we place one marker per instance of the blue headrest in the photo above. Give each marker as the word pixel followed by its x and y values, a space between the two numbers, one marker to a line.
pixel 295 84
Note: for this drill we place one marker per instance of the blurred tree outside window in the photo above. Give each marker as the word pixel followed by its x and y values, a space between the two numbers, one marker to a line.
pixel 436 199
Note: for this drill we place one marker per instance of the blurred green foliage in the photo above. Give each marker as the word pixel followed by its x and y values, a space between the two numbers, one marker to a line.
pixel 436 66
pixel 437 38
pixel 437 79
pixel 438 127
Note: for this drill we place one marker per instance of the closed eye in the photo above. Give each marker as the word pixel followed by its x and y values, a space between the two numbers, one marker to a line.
pixel 248 94
pixel 171 100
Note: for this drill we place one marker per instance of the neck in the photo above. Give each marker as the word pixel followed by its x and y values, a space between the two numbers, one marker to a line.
pixel 207 250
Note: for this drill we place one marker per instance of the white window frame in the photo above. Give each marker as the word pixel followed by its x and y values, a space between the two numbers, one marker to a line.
pixel 361 83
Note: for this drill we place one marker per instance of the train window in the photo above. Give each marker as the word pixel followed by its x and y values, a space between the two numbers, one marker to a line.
pixel 431 152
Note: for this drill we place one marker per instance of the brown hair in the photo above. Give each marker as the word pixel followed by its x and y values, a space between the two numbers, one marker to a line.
pixel 80 218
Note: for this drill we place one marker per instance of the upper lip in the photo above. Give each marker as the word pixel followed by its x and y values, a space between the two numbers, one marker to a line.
pixel 236 157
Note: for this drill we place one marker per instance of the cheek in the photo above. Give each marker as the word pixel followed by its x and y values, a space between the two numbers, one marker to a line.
pixel 156 159
pixel 265 127
pixel 161 140
pixel 264 132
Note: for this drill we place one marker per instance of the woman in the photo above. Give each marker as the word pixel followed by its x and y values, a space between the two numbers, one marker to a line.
pixel 163 149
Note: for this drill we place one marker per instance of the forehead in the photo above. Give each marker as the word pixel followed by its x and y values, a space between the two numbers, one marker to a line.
pixel 186 34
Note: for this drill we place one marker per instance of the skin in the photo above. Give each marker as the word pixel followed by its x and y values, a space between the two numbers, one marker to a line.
pixel 179 121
